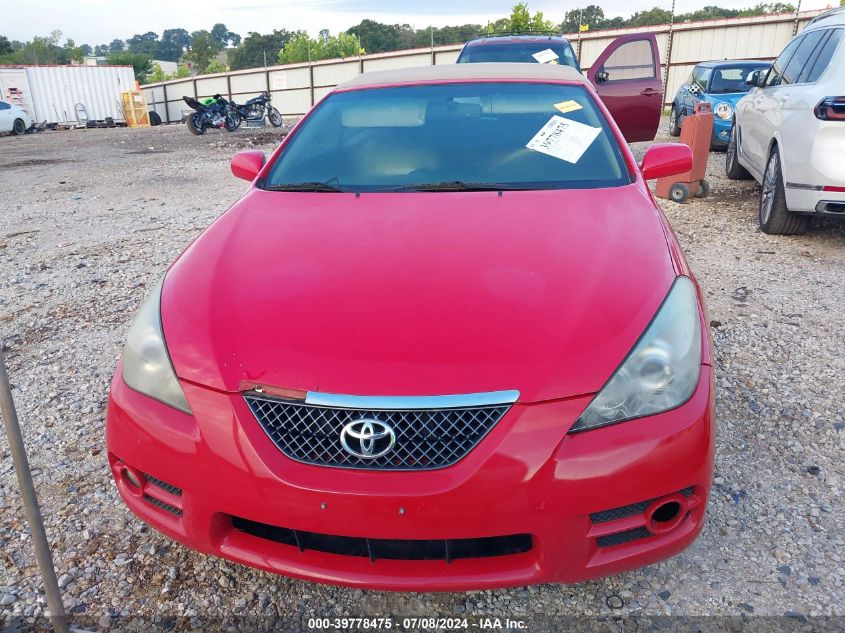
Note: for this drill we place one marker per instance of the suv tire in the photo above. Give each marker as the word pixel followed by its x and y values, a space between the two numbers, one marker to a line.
pixel 775 217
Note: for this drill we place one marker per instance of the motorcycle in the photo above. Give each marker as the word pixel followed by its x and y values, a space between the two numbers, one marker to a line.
pixel 217 114
pixel 255 110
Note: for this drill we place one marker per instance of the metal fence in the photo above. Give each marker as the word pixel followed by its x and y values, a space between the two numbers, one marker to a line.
pixel 296 87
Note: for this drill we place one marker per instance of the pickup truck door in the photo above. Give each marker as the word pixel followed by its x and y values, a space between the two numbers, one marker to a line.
pixel 628 78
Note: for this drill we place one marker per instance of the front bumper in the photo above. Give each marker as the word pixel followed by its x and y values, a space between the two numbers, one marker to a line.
pixel 721 133
pixel 526 477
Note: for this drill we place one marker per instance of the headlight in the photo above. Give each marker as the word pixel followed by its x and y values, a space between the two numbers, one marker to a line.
pixel 723 110
pixel 146 363
pixel 662 370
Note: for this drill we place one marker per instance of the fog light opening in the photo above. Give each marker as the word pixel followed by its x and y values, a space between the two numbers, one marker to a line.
pixel 132 479
pixel 665 514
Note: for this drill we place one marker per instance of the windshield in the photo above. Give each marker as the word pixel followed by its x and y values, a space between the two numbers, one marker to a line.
pixel 728 79
pixel 469 136
pixel 546 52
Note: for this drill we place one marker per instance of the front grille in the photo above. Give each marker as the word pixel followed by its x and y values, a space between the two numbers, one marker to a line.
pixel 425 438
pixel 391 549
pixel 174 490
pixel 623 537
pixel 164 506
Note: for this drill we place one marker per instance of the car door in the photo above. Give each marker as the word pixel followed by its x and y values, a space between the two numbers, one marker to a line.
pixel 759 119
pixel 628 79
pixel 6 119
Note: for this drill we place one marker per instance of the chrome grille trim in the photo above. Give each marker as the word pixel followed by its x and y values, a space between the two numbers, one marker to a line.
pixel 400 403
pixel 427 438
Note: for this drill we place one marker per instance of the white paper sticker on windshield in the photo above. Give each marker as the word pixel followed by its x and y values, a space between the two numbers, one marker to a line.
pixel 546 57
pixel 564 139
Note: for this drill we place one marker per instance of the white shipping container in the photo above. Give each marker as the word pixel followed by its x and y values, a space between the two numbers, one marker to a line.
pixel 51 93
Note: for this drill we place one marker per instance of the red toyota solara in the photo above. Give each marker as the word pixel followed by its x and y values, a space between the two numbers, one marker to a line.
pixel 446 340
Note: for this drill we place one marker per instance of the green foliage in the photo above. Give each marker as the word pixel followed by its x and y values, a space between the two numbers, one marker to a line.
pixel 74 52
pixel 203 49
pixel 655 15
pixel 142 64
pixel 156 75
pixel 222 36
pixel 172 44
pixel 303 48
pixel 146 43
pixel 215 66
pixel 593 16
pixel 521 21
pixel 256 50
pixel 5 45
pixel 377 37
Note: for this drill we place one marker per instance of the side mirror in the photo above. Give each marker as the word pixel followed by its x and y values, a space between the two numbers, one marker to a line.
pixel 666 159
pixel 602 76
pixel 247 164
pixel 756 78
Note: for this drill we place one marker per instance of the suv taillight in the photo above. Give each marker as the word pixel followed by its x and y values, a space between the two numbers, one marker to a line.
pixel 831 109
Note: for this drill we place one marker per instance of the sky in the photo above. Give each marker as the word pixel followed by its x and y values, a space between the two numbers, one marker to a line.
pixel 100 21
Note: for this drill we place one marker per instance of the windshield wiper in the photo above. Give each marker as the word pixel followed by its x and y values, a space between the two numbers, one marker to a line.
pixel 456 185
pixel 326 187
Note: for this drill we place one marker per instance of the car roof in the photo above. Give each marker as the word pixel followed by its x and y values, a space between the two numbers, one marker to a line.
pixel 516 38
pixel 734 62
pixel 468 72
pixel 831 17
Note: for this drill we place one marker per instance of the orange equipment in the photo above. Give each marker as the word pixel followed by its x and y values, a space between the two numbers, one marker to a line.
pixel 135 111
pixel 696 130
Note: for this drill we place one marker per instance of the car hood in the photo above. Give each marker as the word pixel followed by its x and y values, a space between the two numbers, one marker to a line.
pixel 728 97
pixel 544 292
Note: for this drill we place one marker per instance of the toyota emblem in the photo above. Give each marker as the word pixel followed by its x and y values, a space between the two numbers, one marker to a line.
pixel 367 438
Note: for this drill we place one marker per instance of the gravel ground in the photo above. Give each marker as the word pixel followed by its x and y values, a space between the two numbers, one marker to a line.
pixel 89 219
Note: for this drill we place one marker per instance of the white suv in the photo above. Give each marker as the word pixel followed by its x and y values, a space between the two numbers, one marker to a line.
pixel 789 130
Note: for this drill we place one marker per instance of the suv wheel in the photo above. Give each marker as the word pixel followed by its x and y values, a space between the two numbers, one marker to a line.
pixel 775 217
pixel 18 127
pixel 733 169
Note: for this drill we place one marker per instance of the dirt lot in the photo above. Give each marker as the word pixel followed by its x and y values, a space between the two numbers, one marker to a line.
pixel 89 219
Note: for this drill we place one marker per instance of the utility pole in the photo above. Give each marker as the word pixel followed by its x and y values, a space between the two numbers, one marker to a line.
pixel 30 503
pixel 431 31
pixel 668 54
pixel 795 25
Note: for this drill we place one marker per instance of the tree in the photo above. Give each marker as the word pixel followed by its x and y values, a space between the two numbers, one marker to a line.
pixel 117 45
pixel 521 21
pixel 156 75
pixel 146 43
pixel 377 37
pixel 43 50
pixel 5 45
pixel 74 52
pixel 202 51
pixel 142 64
pixel 221 36
pixel 652 16
pixel 258 50
pixel 215 66
pixel 303 48
pixel 591 15
pixel 173 44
